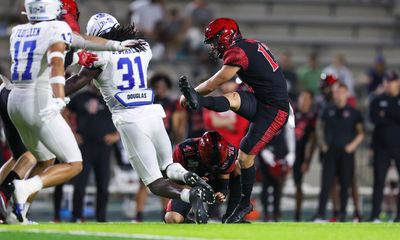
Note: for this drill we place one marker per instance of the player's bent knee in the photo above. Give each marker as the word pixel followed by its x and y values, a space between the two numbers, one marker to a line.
pixel 45 164
pixel 234 100
pixel 245 160
pixel 76 166
pixel 173 218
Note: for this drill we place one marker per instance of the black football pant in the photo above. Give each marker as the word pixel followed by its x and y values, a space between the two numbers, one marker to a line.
pixel 277 186
pixel 96 157
pixel 338 163
pixel 381 164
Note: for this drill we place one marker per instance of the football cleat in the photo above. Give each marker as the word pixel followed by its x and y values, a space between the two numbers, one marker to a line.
pixel 192 97
pixel 239 213
pixel 198 205
pixel 193 180
pixel 20 195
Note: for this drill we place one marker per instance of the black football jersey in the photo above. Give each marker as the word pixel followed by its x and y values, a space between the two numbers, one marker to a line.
pixel 260 71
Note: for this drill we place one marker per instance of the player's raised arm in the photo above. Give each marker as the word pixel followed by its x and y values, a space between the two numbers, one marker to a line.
pixel 100 44
pixel 225 74
pixel 78 81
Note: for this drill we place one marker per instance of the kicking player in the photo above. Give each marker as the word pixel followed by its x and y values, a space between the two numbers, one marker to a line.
pixel 37 51
pixel 121 78
pixel 266 105
pixel 213 158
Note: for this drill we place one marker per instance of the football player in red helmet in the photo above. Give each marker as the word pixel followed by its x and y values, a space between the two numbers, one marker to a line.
pixel 265 105
pixel 214 159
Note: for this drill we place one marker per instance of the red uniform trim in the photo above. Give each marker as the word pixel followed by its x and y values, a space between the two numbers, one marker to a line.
pixel 273 129
pixel 169 206
pixel 235 56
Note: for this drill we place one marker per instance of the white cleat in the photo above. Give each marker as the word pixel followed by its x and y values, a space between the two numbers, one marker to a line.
pixel 320 220
pixel 12 219
pixel 377 220
pixel 20 195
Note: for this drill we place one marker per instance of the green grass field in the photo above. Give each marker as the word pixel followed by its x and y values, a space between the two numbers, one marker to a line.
pixel 275 231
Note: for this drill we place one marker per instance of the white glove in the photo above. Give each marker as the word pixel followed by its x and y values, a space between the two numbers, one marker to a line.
pixel 290 157
pixel 128 44
pixel 268 157
pixel 52 110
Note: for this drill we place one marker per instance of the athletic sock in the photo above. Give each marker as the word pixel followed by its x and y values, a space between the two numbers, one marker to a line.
pixel 7 187
pixel 218 104
pixel 185 195
pixel 176 172
pixel 234 194
pixel 34 184
pixel 248 178
pixel 139 216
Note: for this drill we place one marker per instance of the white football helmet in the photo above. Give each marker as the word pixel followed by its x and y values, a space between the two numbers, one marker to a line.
pixel 42 10
pixel 100 23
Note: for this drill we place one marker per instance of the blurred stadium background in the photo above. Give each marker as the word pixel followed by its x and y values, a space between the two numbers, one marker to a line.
pixel 360 30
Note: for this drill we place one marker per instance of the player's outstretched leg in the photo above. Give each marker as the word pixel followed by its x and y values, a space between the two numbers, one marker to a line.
pixel 196 196
pixel 190 94
pixel 218 103
pixel 176 172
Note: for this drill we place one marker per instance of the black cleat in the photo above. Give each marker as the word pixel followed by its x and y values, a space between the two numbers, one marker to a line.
pixel 193 180
pixel 198 205
pixel 239 213
pixel 3 206
pixel 192 97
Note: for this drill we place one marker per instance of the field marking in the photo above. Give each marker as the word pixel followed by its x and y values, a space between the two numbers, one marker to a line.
pixel 107 234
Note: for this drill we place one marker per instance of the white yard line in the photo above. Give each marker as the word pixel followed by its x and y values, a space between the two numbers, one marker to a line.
pixel 105 234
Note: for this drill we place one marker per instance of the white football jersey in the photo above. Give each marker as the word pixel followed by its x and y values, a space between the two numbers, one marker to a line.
pixel 28 48
pixel 123 81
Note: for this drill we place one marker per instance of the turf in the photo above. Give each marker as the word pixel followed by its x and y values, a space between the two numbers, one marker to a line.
pixel 275 231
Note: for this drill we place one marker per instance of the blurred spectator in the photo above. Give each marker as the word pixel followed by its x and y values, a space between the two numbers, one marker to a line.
pixel 374 75
pixel 145 14
pixel 199 13
pixel 341 71
pixel 340 130
pixel 230 125
pixel 95 135
pixel 162 85
pixel 275 162
pixel 285 62
pixel 385 114
pixel 305 144
pixel 309 74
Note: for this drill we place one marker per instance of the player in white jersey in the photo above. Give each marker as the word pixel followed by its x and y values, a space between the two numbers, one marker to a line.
pixel 122 80
pixel 37 50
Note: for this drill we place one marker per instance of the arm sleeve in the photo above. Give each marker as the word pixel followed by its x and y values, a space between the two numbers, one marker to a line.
pixel 236 57
pixel 60 32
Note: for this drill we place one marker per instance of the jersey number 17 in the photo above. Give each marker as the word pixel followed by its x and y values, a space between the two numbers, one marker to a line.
pixel 263 50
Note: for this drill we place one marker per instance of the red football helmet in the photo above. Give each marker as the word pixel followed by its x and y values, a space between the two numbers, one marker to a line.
pixel 213 149
pixel 328 80
pixel 70 7
pixel 221 33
